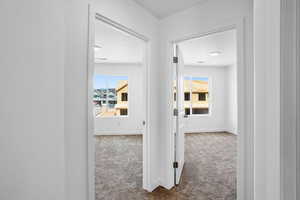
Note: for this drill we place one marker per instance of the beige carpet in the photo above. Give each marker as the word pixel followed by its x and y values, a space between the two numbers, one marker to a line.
pixel 209 172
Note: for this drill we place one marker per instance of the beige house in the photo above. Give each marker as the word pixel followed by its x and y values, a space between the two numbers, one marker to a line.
pixel 122 98
pixel 196 97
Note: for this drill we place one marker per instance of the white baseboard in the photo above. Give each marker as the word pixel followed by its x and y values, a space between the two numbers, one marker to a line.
pixel 121 132
pixel 200 130
pixel 210 130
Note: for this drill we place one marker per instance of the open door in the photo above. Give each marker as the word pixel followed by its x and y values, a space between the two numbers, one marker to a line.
pixel 179 113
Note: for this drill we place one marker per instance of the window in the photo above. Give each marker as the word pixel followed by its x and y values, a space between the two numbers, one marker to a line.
pixel 187 111
pixel 110 95
pixel 186 96
pixel 202 96
pixel 124 96
pixel 196 95
pixel 200 111
pixel 123 111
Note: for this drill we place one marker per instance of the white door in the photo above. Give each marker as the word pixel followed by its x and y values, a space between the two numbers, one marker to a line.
pixel 179 114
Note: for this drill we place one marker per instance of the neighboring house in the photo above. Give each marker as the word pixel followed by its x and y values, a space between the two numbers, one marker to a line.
pixel 122 98
pixel 112 101
pixel 196 97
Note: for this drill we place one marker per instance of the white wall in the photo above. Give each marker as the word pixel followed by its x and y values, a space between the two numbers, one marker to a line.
pixel 220 115
pixel 32 100
pixel 131 124
pixel 133 16
pixel 232 119
pixel 199 19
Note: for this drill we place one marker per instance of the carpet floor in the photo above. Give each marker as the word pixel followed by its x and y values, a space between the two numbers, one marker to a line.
pixel 209 172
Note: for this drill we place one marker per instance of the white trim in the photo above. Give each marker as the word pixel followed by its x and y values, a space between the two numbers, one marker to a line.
pixel 121 27
pixel 210 92
pixel 90 107
pixel 119 132
pixel 217 130
pixel 288 100
pixel 267 99
pixel 298 96
pixel 93 16
pixel 245 109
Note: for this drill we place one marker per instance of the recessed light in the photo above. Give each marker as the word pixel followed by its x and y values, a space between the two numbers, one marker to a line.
pixel 200 61
pixel 215 53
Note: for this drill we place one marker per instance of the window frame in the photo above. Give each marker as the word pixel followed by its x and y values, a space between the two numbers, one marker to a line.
pixel 189 78
pixel 125 95
pixel 128 109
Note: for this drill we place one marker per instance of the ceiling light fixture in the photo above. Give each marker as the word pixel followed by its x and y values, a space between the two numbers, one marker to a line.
pixel 215 53
pixel 97 47
pixel 101 58
pixel 200 61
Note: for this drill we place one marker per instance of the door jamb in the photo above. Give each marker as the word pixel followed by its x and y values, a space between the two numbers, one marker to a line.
pixel 93 16
pixel 245 165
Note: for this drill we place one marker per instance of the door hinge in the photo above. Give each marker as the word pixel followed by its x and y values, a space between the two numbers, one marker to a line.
pixel 175 59
pixel 144 122
pixel 175 165
pixel 175 112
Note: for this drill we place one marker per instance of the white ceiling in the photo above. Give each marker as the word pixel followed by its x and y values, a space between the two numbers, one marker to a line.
pixel 116 46
pixel 119 47
pixel 199 49
pixel 164 8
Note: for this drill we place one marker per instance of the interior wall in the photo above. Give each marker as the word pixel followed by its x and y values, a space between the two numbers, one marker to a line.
pixel 218 97
pixel 32 100
pixel 223 100
pixel 188 23
pixel 130 15
pixel 232 119
pixel 131 124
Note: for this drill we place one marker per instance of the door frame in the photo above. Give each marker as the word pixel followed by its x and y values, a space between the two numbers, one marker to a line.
pixel 93 16
pixel 245 147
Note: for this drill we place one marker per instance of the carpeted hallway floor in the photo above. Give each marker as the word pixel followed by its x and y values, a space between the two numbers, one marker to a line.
pixel 209 172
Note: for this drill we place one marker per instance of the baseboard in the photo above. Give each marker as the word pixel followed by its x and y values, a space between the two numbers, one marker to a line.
pixel 122 132
pixel 206 130
pixel 211 131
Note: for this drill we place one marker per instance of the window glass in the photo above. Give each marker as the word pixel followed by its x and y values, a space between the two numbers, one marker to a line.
pixel 196 95
pixel 110 95
pixel 187 96
pixel 124 96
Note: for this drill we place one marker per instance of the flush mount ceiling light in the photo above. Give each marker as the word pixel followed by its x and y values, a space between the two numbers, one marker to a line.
pixel 97 47
pixel 101 58
pixel 215 53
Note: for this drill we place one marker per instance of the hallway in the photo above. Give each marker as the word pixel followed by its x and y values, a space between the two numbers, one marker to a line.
pixel 209 172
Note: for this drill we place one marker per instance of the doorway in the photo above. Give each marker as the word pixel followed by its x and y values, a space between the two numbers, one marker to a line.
pixel 205 116
pixel 117 109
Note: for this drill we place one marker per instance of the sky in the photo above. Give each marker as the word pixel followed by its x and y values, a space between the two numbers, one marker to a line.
pixel 197 78
pixel 106 81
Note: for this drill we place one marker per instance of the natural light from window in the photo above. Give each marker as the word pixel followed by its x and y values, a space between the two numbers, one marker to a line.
pixel 196 95
pixel 110 95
